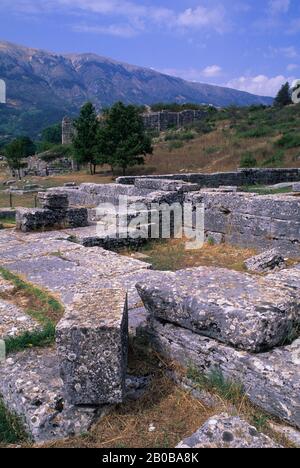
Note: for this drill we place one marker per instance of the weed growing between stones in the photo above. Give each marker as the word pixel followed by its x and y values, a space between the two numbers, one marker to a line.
pixel 39 305
pixel 216 382
pixel 11 427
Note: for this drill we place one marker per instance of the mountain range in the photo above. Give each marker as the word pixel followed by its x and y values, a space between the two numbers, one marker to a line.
pixel 42 87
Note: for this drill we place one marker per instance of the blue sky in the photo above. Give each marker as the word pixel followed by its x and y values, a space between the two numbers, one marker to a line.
pixel 249 45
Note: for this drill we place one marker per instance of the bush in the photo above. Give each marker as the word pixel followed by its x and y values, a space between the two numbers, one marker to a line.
pixel 257 132
pixel 274 161
pixel 248 160
pixel 289 140
pixel 175 145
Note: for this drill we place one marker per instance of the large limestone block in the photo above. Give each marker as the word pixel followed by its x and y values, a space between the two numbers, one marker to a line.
pixel 33 219
pixel 53 200
pixel 92 341
pixel 271 380
pixel 224 431
pixel 247 312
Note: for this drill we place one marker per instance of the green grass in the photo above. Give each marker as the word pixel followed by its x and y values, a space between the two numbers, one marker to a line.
pixel 215 382
pixel 11 428
pixel 44 308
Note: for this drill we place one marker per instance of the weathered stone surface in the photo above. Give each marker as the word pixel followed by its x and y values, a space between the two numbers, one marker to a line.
pixel 92 340
pixel 249 313
pixel 53 200
pixel 265 262
pixel 5 286
pixel 224 431
pixel 250 220
pixel 296 187
pixel 164 185
pixel 271 380
pixel 14 321
pixel 289 277
pixel 31 387
pixel 76 218
pixel 35 219
pixel 240 178
pixel 289 433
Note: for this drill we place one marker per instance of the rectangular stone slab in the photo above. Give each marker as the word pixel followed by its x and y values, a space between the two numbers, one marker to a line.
pixel 247 312
pixel 92 342
pixel 270 380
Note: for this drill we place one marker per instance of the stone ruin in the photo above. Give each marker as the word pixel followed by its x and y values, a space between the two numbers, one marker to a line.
pixel 245 326
pixel 157 121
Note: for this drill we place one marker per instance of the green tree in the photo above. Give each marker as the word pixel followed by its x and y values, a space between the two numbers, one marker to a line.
pixel 16 151
pixel 52 134
pixel 283 97
pixel 85 142
pixel 122 139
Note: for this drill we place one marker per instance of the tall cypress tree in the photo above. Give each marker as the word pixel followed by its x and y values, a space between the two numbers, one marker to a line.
pixel 85 140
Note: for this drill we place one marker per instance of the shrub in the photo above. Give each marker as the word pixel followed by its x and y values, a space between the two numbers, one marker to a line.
pixel 177 144
pixel 289 140
pixel 274 161
pixel 248 160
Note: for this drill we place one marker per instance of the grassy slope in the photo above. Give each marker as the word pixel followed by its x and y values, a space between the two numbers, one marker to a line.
pixel 238 132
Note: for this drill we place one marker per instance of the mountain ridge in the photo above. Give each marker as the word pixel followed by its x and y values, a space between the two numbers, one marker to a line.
pixel 44 86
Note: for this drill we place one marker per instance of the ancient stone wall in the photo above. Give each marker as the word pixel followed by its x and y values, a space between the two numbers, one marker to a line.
pixel 162 121
pixel 251 220
pixel 240 178
pixel 158 121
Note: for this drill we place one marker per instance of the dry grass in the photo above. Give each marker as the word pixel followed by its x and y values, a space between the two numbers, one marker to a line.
pixel 175 414
pixel 172 255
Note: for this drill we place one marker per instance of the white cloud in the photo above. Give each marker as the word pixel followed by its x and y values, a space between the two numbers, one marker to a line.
pixel 292 67
pixel 202 17
pixel 112 30
pixel 211 71
pixel 279 6
pixel 194 74
pixel 261 85
pixel 135 14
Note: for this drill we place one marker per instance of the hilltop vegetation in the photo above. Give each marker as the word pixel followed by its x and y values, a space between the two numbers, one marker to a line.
pixel 255 136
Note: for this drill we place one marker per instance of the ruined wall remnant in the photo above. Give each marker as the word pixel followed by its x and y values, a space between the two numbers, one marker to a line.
pixel 54 213
pixel 67 131
pixel 157 121
pixel 250 220
pixel 240 178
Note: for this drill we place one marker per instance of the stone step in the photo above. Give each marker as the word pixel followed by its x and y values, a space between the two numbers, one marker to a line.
pixel 246 312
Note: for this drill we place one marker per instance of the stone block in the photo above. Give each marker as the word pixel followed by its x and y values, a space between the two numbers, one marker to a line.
pixel 35 219
pixel 76 217
pixel 92 341
pixel 296 187
pixel 270 380
pixel 53 200
pixel 246 312
pixel 224 431
pixel 265 262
